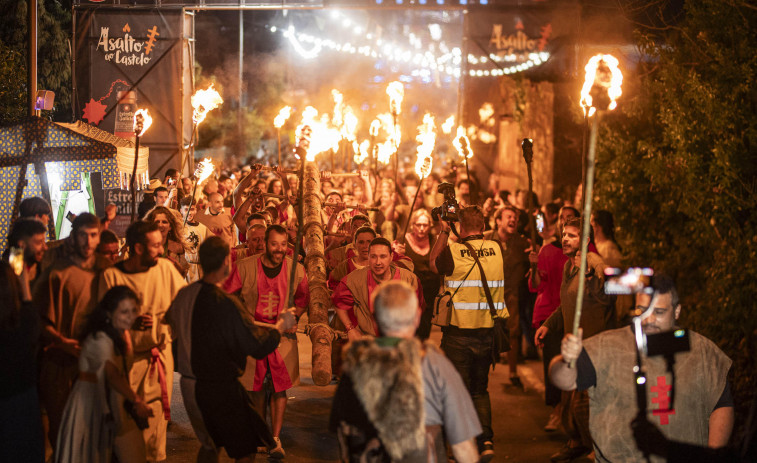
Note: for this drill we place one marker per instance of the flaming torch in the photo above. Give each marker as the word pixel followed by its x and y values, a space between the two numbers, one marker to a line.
pixel 373 132
pixel 204 170
pixel 396 92
pixel 462 145
pixel 601 89
pixel 426 140
pixel 203 101
pixel 142 122
pixel 278 121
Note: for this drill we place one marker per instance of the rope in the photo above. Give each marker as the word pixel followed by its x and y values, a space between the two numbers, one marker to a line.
pixel 334 334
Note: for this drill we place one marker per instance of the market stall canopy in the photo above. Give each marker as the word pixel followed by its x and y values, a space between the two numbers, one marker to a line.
pixel 37 149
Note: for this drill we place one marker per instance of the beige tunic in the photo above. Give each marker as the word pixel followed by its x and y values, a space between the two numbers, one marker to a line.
pixel 248 270
pixel 155 288
pixel 700 377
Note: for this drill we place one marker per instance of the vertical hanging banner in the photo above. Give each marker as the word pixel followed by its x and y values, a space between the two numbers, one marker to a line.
pixel 133 58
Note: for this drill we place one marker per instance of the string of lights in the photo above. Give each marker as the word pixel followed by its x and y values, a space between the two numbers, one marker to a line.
pixel 427 62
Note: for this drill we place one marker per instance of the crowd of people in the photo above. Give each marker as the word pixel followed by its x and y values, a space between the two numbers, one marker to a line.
pixel 93 326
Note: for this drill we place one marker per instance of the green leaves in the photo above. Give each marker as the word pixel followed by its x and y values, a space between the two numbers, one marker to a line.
pixel 678 168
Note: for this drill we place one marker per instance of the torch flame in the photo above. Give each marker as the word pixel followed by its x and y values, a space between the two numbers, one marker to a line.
pixel 375 126
pixel 602 75
pixel 448 125
pixel 426 140
pixel 323 137
pixel 282 117
pixel 204 101
pixel 361 151
pixel 142 121
pixel 485 114
pixel 204 170
pixel 462 144
pixel 396 92
pixel 349 128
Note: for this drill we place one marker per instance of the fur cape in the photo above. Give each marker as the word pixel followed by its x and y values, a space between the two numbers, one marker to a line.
pixel 388 383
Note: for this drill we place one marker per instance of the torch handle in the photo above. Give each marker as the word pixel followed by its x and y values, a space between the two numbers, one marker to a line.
pixel 340 175
pixel 589 195
pixel 410 214
pixel 194 190
pixel 298 239
pixel 531 219
pixel 131 181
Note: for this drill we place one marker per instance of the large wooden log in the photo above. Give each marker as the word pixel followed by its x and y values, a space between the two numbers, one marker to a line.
pixel 321 334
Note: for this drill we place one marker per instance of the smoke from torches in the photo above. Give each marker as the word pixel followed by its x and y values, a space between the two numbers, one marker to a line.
pixel 602 84
pixel 142 122
pixel 204 101
pixel 282 117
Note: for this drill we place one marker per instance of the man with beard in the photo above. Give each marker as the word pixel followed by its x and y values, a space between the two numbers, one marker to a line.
pixel 66 295
pixel 195 234
pixel 598 314
pixel 545 282
pixel 516 263
pixel 213 341
pixel 265 294
pixel 352 296
pixel 217 219
pixel 156 281
pixel 29 235
pixel 703 413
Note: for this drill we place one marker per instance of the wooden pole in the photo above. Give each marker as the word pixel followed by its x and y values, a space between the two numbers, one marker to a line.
pixel 321 334
pixel 528 155
pixel 588 195
pixel 133 178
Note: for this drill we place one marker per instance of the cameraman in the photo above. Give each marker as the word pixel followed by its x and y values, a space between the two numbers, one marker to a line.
pixel 467 341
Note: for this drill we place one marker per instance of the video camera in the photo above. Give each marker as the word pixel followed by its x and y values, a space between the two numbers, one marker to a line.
pixel 638 280
pixel 449 208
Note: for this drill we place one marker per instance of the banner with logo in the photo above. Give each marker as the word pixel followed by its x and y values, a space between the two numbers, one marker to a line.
pixel 129 59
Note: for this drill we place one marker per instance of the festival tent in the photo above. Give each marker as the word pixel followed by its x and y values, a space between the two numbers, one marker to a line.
pixel 38 153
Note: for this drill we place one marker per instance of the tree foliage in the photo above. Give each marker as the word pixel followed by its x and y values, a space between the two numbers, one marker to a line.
pixel 53 56
pixel 679 170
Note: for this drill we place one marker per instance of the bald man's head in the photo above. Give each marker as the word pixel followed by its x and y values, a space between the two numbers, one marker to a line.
pixel 215 203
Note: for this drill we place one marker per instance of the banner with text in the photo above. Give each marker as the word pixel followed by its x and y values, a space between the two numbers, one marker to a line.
pixel 129 59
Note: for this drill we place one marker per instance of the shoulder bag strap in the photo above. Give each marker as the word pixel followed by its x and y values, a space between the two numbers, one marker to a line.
pixel 488 293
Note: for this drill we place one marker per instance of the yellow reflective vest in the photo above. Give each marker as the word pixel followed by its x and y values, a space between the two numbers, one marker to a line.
pixel 470 309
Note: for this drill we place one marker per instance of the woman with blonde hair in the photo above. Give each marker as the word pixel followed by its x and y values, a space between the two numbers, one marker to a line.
pixel 172 230
pixel 419 242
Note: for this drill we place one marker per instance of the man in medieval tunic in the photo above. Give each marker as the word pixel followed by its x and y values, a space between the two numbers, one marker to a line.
pixel 66 295
pixel 702 412
pixel 156 281
pixel 352 296
pixel 265 294
pixel 213 341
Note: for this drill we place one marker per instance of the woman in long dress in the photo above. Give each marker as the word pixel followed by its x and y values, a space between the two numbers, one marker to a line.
pixel 419 243
pixel 95 423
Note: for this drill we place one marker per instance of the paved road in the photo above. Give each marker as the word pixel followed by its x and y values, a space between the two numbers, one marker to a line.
pixel 518 418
